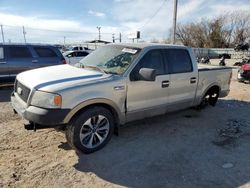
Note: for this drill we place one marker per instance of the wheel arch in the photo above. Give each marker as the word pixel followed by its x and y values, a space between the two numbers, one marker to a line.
pixel 212 87
pixel 106 103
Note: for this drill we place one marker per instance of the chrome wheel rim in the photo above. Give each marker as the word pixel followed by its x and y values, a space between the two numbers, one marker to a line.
pixel 94 131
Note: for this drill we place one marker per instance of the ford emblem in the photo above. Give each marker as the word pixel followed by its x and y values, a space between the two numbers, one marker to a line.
pixel 19 91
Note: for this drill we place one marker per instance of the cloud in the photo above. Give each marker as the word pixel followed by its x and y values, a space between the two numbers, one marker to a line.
pixel 50 30
pixel 121 1
pixel 97 14
pixel 138 15
pixel 123 16
pixel 36 22
pixel 221 8
pixel 191 6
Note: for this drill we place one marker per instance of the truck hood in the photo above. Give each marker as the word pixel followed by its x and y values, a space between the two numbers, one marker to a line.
pixel 60 75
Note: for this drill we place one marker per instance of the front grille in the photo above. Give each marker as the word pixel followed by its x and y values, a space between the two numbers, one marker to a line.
pixel 22 91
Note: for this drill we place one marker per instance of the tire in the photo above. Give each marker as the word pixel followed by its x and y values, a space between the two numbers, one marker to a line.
pixel 91 130
pixel 210 98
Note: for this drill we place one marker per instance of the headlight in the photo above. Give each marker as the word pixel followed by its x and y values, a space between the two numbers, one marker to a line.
pixel 46 100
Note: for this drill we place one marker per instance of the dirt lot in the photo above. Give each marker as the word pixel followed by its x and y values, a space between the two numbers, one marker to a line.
pixel 210 148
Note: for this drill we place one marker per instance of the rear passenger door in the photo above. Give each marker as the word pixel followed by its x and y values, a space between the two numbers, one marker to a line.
pixel 19 59
pixel 45 56
pixel 183 78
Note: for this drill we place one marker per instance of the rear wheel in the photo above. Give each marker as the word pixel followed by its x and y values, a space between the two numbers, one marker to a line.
pixel 91 130
pixel 210 98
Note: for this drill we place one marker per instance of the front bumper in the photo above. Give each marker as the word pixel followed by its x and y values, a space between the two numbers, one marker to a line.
pixel 41 116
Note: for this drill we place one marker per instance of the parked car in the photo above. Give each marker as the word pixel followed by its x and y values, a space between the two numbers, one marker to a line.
pixel 16 58
pixel 80 48
pixel 73 57
pixel 114 85
pixel 244 73
pixel 243 62
pixel 241 47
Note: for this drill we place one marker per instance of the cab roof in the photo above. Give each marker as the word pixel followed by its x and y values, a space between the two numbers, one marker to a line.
pixel 145 45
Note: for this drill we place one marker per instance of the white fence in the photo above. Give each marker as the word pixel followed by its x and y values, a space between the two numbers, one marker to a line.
pixel 216 52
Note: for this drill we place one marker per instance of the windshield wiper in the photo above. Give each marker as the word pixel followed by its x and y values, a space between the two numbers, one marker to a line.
pixel 95 68
pixel 110 72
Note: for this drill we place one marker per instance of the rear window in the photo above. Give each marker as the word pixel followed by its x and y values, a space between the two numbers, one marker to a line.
pixel 1 53
pixel 19 52
pixel 45 52
pixel 179 61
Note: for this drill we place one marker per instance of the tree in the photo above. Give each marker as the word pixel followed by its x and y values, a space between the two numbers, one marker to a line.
pixel 220 32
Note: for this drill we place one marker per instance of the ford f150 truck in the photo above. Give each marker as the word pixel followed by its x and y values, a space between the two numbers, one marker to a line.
pixel 114 85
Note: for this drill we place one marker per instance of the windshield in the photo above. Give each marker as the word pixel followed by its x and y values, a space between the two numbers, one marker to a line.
pixel 111 59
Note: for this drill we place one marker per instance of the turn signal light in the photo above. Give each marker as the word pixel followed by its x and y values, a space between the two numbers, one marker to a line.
pixel 58 100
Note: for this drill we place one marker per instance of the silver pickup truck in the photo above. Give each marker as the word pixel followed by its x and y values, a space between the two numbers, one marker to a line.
pixel 115 84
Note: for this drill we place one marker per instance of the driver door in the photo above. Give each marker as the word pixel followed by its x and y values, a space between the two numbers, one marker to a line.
pixel 148 98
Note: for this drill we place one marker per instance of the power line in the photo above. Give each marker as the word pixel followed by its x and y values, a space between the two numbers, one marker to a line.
pixel 153 15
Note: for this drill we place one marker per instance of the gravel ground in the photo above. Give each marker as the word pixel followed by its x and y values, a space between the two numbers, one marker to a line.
pixel 208 148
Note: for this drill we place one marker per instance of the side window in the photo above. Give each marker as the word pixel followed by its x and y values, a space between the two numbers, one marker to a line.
pixel 19 52
pixel 153 60
pixel 82 54
pixel 74 54
pixel 179 60
pixel 45 52
pixel 1 53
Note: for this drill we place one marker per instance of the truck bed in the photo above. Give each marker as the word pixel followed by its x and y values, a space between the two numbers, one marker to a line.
pixel 210 75
pixel 211 67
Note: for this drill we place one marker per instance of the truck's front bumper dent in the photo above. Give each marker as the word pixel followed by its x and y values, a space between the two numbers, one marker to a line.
pixel 41 116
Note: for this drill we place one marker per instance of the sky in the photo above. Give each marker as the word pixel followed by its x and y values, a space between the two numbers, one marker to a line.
pixel 53 21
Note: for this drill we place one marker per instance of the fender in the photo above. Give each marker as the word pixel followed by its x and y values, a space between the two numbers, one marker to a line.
pixel 206 90
pixel 121 116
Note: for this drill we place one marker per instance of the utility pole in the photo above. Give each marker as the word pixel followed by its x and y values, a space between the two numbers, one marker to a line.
pixel 64 39
pixel 174 21
pixel 99 32
pixel 2 33
pixel 120 37
pixel 113 37
pixel 24 33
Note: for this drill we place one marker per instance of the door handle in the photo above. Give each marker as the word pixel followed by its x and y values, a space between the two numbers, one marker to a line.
pixel 193 80
pixel 164 83
pixel 2 62
pixel 34 61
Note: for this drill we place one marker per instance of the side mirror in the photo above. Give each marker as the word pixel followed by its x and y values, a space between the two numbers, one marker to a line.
pixel 69 55
pixel 147 74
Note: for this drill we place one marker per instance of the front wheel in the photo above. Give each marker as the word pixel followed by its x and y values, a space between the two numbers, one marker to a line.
pixel 91 130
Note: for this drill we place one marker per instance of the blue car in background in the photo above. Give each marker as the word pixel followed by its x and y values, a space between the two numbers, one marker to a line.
pixel 16 58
